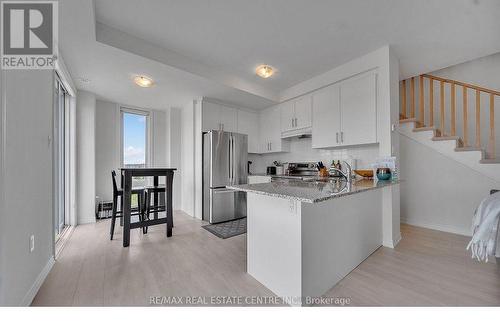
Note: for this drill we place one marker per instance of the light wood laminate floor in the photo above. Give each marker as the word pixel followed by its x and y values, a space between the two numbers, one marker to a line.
pixel 427 268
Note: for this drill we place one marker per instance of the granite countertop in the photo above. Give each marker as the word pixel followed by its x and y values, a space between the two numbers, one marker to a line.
pixel 276 176
pixel 313 190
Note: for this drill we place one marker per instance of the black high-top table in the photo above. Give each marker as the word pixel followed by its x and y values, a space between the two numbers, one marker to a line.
pixel 127 175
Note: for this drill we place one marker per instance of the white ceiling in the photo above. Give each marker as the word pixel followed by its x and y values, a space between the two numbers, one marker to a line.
pixel 218 43
pixel 110 70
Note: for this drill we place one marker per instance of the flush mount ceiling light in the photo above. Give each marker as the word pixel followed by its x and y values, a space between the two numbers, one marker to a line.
pixel 143 81
pixel 83 79
pixel 264 71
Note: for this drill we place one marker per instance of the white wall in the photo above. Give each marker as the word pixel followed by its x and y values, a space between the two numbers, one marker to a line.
pixel 174 145
pixel 85 147
pixel 107 147
pixel 437 192
pixel 27 181
pixel 482 72
pixel 3 257
pixel 187 171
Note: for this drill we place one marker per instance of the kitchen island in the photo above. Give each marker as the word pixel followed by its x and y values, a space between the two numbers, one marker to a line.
pixel 305 236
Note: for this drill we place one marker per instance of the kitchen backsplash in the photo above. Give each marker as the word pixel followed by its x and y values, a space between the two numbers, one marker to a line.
pixel 301 151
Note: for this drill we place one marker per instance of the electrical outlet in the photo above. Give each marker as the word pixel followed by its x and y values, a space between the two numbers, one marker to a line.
pixel 32 243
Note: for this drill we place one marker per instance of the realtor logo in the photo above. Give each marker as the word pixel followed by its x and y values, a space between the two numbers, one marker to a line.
pixel 28 33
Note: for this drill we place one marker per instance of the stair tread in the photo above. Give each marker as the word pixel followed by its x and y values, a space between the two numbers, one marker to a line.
pixel 408 120
pixel 490 161
pixel 443 138
pixel 425 128
pixel 468 149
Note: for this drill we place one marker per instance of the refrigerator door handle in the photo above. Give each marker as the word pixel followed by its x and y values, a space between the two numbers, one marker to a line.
pixel 229 160
pixel 233 160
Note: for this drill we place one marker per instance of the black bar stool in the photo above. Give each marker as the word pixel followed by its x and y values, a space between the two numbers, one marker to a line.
pixel 139 211
pixel 154 208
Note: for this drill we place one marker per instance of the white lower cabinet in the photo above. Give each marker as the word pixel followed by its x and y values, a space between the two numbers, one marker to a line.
pixel 345 114
pixel 254 179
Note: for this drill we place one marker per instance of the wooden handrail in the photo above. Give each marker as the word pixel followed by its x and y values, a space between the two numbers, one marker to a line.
pixel 409 110
pixel 463 84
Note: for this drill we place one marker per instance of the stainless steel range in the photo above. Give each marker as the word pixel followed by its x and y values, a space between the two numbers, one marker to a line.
pixel 302 169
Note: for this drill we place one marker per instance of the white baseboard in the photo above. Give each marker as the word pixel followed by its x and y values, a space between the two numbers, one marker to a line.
pixel 436 226
pixel 397 240
pixel 86 220
pixel 392 243
pixel 28 298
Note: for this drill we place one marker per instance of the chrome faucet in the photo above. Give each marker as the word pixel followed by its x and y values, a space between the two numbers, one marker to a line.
pixel 346 174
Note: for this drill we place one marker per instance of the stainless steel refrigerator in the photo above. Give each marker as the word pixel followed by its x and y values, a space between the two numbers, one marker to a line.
pixel 225 157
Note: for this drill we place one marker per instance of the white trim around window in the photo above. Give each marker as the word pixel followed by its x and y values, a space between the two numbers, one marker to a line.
pixel 149 131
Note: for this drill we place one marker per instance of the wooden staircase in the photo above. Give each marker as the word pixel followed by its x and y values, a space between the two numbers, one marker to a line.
pixel 445 127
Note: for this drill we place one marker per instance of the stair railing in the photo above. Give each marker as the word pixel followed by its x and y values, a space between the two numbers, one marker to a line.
pixel 420 116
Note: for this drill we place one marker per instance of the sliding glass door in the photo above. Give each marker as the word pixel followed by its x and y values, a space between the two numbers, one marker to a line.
pixel 61 135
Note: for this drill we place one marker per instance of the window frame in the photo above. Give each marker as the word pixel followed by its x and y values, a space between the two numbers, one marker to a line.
pixel 148 149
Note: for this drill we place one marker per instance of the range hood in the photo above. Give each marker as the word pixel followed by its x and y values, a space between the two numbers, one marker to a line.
pixel 301 133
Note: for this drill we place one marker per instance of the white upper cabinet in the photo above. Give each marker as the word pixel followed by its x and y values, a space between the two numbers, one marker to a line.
pixel 326 121
pixel 218 117
pixel 345 114
pixel 248 123
pixel 302 108
pixel 210 114
pixel 229 118
pixel 358 104
pixel 296 114
pixel 287 115
pixel 270 134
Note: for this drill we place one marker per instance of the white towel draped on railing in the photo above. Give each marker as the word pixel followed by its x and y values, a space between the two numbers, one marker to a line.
pixel 485 228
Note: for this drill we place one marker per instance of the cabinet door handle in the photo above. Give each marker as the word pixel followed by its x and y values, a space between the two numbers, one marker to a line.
pixel 342 137
pixel 337 137
pixel 295 122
